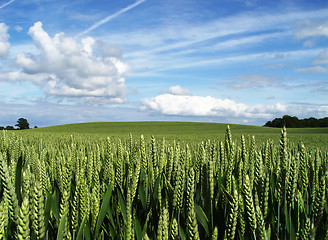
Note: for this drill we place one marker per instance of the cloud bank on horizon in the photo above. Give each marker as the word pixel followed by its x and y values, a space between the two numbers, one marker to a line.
pixel 143 60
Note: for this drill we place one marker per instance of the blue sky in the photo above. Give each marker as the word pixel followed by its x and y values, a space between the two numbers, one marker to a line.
pixel 232 61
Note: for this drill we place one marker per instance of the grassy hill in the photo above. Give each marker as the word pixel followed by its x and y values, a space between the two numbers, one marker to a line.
pixel 189 131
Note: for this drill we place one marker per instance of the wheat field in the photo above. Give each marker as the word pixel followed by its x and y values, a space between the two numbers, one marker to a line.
pixel 74 187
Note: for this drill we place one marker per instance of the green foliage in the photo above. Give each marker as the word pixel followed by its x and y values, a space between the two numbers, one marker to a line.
pixel 58 186
pixel 187 132
pixel 22 123
pixel 294 122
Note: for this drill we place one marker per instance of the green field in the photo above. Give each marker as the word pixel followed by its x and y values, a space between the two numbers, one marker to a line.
pixel 162 181
pixel 193 132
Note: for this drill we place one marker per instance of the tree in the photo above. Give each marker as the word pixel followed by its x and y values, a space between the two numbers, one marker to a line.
pixel 22 123
pixel 294 122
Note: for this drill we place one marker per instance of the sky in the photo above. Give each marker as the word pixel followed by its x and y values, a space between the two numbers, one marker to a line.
pixel 236 61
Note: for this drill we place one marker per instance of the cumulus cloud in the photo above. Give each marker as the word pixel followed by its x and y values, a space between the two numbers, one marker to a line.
pixel 21 76
pixel 178 90
pixel 186 105
pixel 4 43
pixel 67 68
pixel 109 51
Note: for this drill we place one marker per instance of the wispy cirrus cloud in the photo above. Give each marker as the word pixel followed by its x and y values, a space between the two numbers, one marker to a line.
pixel 167 62
pixel 315 70
pixel 313 29
pixel 42 113
pixel 275 66
pixel 265 81
pixel 185 45
pixel 322 58
pixel 320 64
pixel 110 17
pixel 255 81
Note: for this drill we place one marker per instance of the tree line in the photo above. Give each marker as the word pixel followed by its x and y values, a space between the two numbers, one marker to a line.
pixel 22 123
pixel 294 122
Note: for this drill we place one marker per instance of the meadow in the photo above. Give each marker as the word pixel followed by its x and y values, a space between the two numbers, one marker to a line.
pixel 156 180
pixel 191 132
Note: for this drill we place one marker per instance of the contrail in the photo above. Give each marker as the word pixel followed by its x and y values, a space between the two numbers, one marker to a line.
pixel 110 17
pixel 6 4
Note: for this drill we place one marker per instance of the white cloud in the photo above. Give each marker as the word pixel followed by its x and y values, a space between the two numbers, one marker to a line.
pixel 109 50
pixel 239 42
pixel 6 4
pixel 309 43
pixel 255 81
pixel 21 76
pixel 313 29
pixel 158 64
pixel 316 69
pixel 178 90
pixel 185 45
pixel 322 58
pixel 18 28
pixel 68 68
pixel 306 110
pixel 42 113
pixel 169 104
pixel 110 17
pixel 274 66
pixel 322 64
pixel 4 43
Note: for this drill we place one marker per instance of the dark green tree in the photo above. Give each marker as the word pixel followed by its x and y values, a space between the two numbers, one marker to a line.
pixel 22 123
pixel 294 122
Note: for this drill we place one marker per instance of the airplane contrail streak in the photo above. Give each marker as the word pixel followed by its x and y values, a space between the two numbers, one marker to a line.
pixel 6 4
pixel 109 18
